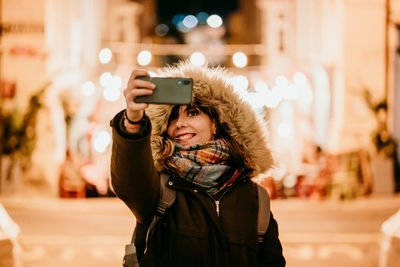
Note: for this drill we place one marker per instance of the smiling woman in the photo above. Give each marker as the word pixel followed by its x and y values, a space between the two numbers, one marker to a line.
pixel 209 151
pixel 190 126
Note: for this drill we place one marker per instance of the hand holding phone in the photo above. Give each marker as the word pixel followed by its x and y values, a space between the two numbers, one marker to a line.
pixel 176 91
pixel 135 88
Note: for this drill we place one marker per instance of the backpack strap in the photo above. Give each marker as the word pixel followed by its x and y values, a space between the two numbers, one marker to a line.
pixel 264 212
pixel 167 198
pixel 134 253
pixel 167 195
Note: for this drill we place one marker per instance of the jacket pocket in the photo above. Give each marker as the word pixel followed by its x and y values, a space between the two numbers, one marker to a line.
pixel 240 240
pixel 243 251
pixel 189 247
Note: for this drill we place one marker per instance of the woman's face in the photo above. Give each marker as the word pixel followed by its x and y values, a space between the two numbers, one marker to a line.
pixel 190 126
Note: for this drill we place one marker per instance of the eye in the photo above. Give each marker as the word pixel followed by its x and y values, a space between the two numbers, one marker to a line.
pixel 192 112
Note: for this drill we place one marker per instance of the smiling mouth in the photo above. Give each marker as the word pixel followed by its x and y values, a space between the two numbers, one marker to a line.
pixel 184 137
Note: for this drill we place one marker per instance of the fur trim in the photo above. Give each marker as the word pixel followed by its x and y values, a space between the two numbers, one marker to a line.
pixel 212 87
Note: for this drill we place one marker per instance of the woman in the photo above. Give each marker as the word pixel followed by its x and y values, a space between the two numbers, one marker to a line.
pixel 210 150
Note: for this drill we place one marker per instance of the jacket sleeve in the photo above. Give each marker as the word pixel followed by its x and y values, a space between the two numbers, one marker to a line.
pixel 133 175
pixel 271 249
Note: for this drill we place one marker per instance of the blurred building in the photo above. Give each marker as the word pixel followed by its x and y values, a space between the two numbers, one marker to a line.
pixel 307 66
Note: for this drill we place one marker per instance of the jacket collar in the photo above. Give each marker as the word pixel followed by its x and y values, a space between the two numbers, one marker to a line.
pixel 178 183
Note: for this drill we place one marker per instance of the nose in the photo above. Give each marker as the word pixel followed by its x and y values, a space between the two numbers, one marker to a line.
pixel 180 122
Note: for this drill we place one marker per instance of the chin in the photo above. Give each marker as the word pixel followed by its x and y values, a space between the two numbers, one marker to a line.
pixel 190 143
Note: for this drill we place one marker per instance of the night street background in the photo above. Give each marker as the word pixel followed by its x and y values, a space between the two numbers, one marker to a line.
pixel 93 232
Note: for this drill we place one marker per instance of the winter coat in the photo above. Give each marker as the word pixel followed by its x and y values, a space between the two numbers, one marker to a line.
pixel 196 230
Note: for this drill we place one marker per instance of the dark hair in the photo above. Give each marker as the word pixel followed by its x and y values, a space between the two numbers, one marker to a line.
pixel 236 160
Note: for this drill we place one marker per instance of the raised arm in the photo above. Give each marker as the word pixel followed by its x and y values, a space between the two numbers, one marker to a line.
pixel 133 176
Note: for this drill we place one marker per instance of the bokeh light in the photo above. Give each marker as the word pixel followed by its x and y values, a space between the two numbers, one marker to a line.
pixel 260 86
pixel 105 55
pixel 161 30
pixel 240 84
pixel 117 82
pixel 105 79
pixel 144 58
pixel 101 140
pixel 290 180
pixel 88 88
pixel 112 92
pixel 214 21
pixel 255 101
pixel 281 81
pixel 273 98
pixel 272 101
pixel 239 59
pixel 190 21
pixel 197 59
pixel 202 17
pixel 299 78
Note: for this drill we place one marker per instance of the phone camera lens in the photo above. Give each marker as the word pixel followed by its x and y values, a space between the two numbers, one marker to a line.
pixel 186 82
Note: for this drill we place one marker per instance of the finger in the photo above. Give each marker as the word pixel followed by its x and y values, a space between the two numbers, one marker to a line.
pixel 130 95
pixel 141 84
pixel 137 73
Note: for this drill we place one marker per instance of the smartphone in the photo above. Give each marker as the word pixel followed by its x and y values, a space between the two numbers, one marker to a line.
pixel 176 91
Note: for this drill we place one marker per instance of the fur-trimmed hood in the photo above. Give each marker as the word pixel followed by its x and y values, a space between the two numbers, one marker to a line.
pixel 211 86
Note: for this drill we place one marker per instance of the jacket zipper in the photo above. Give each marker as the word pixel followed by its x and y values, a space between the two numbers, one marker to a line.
pixel 217 206
pixel 217 202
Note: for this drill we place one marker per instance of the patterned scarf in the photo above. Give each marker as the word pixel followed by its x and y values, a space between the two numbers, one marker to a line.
pixel 203 165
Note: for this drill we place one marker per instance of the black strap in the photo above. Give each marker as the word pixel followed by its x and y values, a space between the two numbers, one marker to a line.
pixel 136 249
pixel 167 195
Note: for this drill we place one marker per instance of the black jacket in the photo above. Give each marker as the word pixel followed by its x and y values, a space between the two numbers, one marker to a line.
pixel 190 233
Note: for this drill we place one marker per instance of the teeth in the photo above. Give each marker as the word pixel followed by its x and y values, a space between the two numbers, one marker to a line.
pixel 185 137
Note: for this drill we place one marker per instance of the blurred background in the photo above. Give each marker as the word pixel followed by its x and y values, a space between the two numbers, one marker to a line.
pixel 323 77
